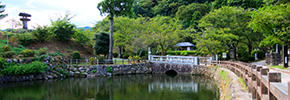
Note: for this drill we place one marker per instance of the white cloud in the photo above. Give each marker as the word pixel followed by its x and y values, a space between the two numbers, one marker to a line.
pixel 43 10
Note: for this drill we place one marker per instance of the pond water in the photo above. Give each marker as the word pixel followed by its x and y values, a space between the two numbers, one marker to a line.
pixel 127 87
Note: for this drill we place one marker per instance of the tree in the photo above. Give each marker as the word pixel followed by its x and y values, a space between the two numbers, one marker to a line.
pixel 14 23
pixel 102 43
pixel 164 31
pixel 272 17
pixel 115 8
pixel 236 20
pixel 214 41
pixel 238 3
pixel 274 20
pixel 269 41
pixel 62 28
pixel 81 36
pixel 1 11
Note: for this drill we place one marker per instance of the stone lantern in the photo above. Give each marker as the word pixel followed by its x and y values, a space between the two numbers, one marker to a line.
pixel 24 19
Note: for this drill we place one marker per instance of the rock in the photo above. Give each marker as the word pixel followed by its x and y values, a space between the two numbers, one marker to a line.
pixel 39 77
pixel 15 60
pixel 48 57
pixel 75 69
pixel 81 68
pixel 28 60
pixel 61 75
pixel 45 78
pixel 116 69
pixel 88 69
pixel 71 73
pixel 9 61
pixel 129 72
pixel 133 69
pixel 31 76
pixel 55 76
pixel 126 69
pixel 49 76
pixel 77 73
pixel 84 75
pixel 109 74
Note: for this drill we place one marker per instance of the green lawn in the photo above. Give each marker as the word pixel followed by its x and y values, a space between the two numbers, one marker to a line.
pixel 279 67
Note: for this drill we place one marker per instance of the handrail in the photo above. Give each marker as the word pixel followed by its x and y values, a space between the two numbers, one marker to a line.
pixel 179 59
pixel 263 84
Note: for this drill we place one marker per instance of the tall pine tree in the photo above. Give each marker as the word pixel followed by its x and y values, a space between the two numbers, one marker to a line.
pixel 1 11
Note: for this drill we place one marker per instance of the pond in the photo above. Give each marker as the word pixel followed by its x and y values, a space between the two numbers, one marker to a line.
pixel 127 87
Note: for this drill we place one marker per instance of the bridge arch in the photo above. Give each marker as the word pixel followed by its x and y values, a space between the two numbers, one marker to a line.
pixel 171 71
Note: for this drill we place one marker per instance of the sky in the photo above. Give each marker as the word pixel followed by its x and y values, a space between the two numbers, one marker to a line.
pixel 85 11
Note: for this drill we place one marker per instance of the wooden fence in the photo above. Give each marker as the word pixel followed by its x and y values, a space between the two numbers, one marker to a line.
pixel 263 85
pixel 103 61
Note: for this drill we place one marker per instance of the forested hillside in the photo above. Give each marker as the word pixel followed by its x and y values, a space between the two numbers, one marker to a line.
pixel 214 26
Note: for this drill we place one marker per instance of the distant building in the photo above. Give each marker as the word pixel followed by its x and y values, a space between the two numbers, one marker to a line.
pixel 184 46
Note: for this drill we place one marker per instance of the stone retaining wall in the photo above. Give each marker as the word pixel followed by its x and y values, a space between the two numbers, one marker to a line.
pixel 80 71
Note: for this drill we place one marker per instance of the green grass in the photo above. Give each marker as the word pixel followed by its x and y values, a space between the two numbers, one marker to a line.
pixel 17 48
pixel 224 74
pixel 279 67
pixel 215 68
pixel 243 83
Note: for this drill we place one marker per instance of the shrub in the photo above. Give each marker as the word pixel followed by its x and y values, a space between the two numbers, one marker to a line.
pixel 94 71
pixel 101 59
pixel 6 48
pixel 143 53
pixel 137 57
pixel 184 53
pixel 32 68
pixel 18 49
pixel 125 55
pixel 92 60
pixel 61 71
pixel 43 56
pixel 13 41
pixel 58 53
pixel 53 54
pixel 115 54
pixel 76 55
pixel 42 51
pixel 25 38
pixel 80 37
pixel 244 59
pixel 109 69
pixel 28 53
pixel 62 28
pixel 41 33
pixel 251 58
pixel 260 54
pixel 8 54
pixel 2 63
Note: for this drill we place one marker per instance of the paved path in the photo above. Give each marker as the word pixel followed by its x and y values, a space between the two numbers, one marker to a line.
pixel 285 73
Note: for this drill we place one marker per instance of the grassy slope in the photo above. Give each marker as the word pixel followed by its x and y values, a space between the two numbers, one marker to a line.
pixel 53 46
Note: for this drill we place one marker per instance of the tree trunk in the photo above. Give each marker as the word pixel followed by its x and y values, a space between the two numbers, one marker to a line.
pixel 111 37
pixel 140 52
pixel 250 48
pixel 285 55
pixel 235 52
pixel 120 51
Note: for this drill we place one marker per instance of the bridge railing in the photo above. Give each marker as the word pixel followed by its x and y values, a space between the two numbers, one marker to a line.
pixel 180 59
pixel 264 85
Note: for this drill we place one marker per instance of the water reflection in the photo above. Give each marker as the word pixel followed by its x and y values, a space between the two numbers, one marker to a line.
pixel 133 87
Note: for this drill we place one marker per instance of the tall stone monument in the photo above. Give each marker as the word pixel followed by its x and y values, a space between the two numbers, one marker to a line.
pixel 24 19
